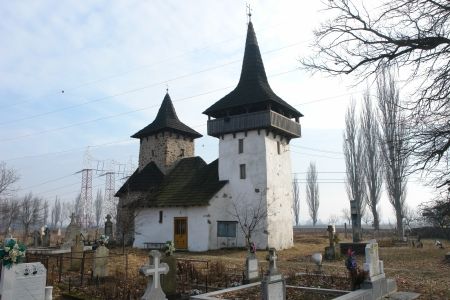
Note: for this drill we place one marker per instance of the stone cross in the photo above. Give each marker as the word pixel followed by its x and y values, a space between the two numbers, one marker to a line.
pixel 272 258
pixel 154 291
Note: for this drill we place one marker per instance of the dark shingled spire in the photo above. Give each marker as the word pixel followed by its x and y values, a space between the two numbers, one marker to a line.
pixel 166 119
pixel 253 91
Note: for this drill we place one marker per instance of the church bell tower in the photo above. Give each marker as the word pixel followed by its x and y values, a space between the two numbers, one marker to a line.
pixel 254 127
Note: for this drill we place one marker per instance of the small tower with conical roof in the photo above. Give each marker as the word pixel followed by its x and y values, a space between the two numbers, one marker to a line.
pixel 254 127
pixel 166 139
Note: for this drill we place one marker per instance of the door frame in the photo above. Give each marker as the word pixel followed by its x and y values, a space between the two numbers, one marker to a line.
pixel 174 230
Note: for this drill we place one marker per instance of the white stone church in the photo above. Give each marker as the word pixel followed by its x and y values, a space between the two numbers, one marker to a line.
pixel 175 195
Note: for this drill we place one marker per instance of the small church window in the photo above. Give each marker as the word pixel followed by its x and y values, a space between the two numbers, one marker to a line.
pixel 153 153
pixel 182 153
pixel 160 216
pixel 278 148
pixel 242 171
pixel 241 146
pixel 226 228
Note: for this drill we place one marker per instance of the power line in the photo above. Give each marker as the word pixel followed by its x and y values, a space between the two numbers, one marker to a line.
pixel 316 149
pixel 140 88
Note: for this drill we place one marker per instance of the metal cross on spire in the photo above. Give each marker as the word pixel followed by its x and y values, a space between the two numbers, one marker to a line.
pixel 249 12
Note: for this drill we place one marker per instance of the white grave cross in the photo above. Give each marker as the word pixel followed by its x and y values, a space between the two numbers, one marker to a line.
pixel 155 270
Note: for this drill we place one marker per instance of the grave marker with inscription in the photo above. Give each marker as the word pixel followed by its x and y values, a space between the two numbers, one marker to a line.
pixel 23 281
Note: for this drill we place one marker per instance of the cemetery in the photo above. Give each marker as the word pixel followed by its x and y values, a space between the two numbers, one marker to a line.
pixel 96 272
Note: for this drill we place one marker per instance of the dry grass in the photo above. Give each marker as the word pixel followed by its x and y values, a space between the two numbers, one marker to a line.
pixel 419 270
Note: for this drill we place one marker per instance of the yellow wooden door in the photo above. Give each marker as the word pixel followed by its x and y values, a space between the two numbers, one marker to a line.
pixel 180 233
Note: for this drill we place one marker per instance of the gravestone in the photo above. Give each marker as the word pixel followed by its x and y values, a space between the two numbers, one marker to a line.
pixel 447 257
pixel 46 238
pixel 373 264
pixel 72 231
pixel 331 252
pixel 155 270
pixel 251 272
pixel 76 254
pixel 109 227
pixel 375 280
pixel 273 285
pixel 37 241
pixel 101 261
pixel 23 281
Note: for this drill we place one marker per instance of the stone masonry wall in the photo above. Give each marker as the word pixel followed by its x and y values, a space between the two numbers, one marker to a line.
pixel 165 149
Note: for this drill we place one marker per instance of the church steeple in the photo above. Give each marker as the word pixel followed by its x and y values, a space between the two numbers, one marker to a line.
pixel 166 140
pixel 252 94
pixel 166 119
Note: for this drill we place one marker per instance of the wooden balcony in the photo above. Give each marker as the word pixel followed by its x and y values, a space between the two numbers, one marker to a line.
pixel 256 120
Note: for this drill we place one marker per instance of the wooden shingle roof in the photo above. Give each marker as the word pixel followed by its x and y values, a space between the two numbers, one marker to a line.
pixel 192 182
pixel 147 180
pixel 166 119
pixel 253 88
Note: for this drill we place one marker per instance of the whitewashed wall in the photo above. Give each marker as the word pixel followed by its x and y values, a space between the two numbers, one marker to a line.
pixel 148 228
pixel 279 193
pixel 268 179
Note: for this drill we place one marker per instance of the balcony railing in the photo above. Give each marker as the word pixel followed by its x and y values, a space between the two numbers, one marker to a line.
pixel 256 120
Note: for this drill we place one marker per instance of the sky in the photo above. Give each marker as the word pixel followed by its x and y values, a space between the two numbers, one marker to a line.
pixel 81 77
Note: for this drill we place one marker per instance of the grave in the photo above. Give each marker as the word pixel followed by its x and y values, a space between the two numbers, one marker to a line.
pixel 155 270
pixel 376 280
pixel 76 254
pixel 169 280
pixel 72 231
pixel 46 238
pixel 101 262
pixel 37 240
pixel 251 271
pixel 273 285
pixel 331 252
pixel 23 281
pixel 109 227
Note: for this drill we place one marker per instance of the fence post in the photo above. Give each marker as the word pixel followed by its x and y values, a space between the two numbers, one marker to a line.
pixel 82 269
pixel 60 266
pixel 126 265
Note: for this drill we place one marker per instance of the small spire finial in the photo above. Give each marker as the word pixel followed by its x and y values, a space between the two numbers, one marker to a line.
pixel 167 88
pixel 249 12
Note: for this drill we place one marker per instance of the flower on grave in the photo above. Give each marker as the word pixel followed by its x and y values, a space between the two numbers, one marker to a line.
pixel 12 252
pixel 169 249
pixel 103 240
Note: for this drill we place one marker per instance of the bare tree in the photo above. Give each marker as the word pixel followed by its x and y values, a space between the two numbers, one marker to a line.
pixel 346 216
pixel 45 212
pixel 9 210
pixel 333 219
pixel 372 157
pixel 98 207
pixel 8 177
pixel 410 35
pixel 251 218
pixel 312 192
pixel 354 163
pixel 394 144
pixel 30 213
pixel 367 218
pixel 56 213
pixel 296 202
